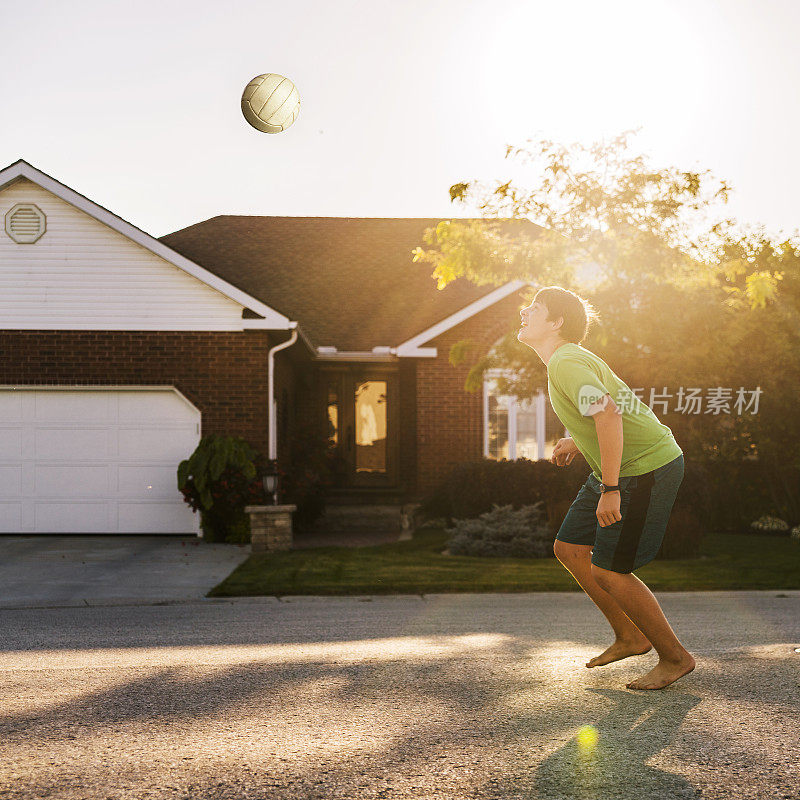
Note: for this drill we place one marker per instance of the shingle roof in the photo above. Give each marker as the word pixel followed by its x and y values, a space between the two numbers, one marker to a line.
pixel 349 282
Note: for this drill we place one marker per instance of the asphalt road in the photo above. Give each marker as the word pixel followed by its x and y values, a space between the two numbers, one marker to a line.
pixel 442 696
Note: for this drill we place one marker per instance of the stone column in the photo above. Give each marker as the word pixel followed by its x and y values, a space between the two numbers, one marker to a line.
pixel 270 528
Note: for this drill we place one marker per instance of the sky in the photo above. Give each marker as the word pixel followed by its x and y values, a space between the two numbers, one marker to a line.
pixel 137 106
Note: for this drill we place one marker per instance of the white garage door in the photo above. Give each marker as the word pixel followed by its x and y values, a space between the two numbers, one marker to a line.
pixel 95 460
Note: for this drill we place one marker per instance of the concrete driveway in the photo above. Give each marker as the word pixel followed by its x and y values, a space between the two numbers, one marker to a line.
pixel 48 571
pixel 452 697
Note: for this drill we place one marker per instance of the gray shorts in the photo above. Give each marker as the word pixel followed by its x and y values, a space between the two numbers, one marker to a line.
pixel 645 505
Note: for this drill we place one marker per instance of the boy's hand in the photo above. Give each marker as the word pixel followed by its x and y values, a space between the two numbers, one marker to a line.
pixel 564 451
pixel 608 509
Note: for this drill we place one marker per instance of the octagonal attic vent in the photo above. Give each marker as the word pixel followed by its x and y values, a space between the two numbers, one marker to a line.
pixel 25 223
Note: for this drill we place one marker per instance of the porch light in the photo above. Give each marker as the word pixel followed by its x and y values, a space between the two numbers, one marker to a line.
pixel 270 481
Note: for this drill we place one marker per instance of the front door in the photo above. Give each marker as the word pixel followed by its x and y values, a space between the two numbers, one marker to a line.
pixel 361 412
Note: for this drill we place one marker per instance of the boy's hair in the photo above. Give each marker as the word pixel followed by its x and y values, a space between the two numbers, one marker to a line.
pixel 578 312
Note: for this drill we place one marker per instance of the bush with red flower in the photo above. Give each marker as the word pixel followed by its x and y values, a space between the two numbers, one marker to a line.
pixel 220 478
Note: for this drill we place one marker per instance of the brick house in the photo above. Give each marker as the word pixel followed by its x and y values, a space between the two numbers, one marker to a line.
pixel 121 350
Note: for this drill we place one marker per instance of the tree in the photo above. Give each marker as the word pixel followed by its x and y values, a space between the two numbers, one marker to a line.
pixel 685 294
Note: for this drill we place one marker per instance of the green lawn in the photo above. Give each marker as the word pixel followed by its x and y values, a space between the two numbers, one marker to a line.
pixel 728 561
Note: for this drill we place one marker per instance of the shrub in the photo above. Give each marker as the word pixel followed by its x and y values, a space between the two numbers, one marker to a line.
pixel 231 525
pixel 737 491
pixel 683 535
pixel 691 515
pixel 503 532
pixel 219 479
pixel 475 487
pixel 556 511
pixel 769 524
pixel 795 533
pixel 305 481
pixel 694 493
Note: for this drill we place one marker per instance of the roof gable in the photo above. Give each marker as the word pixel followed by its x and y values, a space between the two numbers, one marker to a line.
pixel 22 170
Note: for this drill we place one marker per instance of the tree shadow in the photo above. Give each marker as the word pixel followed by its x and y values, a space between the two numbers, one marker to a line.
pixel 478 718
pixel 383 701
pixel 637 727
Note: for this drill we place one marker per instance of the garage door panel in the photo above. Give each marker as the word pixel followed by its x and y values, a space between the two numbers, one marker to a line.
pixel 153 480
pixel 147 407
pixel 10 406
pixel 173 444
pixel 73 406
pixel 151 517
pixel 10 481
pixel 71 517
pixel 10 516
pixel 66 443
pixel 10 442
pixel 94 460
pixel 75 480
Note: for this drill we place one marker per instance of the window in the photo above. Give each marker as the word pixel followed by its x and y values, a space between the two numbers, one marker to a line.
pixel 515 427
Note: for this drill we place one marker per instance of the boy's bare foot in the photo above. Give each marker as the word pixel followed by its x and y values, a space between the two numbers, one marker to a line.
pixel 621 649
pixel 663 674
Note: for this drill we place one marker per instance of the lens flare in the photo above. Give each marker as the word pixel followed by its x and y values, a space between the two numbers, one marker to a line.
pixel 586 738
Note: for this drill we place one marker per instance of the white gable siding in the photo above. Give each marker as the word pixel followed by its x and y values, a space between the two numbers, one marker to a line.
pixel 82 275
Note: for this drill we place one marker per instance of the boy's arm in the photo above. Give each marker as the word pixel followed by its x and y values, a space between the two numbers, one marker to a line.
pixel 578 381
pixel 608 423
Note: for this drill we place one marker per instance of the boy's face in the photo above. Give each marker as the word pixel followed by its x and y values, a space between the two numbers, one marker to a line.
pixel 535 327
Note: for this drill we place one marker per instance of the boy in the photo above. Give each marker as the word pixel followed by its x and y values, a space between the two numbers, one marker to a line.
pixel 618 519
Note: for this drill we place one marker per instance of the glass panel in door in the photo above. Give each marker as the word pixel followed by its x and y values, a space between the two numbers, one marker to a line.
pixel 332 413
pixel 370 427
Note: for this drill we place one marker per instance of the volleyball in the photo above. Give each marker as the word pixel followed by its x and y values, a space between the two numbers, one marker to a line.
pixel 270 103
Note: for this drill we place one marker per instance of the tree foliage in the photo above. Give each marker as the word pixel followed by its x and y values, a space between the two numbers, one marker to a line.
pixel 687 296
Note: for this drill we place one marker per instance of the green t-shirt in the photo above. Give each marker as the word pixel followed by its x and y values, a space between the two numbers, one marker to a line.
pixel 577 380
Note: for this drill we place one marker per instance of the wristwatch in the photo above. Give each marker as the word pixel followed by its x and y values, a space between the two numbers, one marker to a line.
pixel 604 488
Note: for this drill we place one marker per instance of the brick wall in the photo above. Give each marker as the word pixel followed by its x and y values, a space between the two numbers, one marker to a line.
pixel 224 373
pixel 449 418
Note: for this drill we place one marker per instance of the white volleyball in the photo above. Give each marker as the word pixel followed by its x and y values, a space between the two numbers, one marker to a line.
pixel 270 103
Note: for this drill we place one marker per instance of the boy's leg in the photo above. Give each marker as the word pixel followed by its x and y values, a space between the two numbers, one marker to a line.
pixel 573 548
pixel 639 603
pixel 630 640
pixel 628 544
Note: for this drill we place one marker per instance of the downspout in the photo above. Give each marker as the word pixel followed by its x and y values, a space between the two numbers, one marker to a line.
pixel 272 443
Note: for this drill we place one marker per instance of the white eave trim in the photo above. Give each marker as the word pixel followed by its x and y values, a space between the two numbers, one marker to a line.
pixel 411 347
pixel 273 320
pixel 259 324
pixel 378 353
